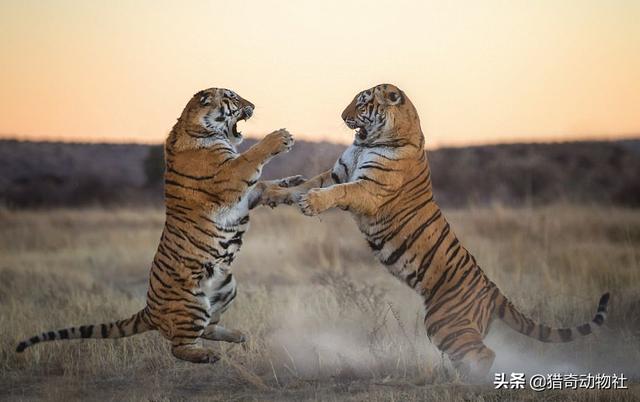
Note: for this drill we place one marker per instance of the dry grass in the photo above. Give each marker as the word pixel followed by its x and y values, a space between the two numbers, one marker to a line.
pixel 325 321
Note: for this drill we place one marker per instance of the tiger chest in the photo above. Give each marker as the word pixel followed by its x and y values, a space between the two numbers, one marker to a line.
pixel 232 215
pixel 219 290
pixel 345 169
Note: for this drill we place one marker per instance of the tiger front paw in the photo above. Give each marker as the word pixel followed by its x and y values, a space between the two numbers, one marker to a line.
pixel 279 141
pixel 291 181
pixel 279 195
pixel 313 202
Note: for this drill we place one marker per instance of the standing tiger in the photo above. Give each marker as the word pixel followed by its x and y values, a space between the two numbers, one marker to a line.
pixel 384 180
pixel 209 189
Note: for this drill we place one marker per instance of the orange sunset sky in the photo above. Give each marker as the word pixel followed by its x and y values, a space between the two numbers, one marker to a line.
pixel 478 71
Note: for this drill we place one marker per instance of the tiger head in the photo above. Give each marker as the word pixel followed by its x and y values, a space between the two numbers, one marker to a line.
pixel 382 113
pixel 212 113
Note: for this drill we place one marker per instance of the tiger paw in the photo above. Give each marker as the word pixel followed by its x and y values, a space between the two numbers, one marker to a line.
pixel 212 357
pixel 292 181
pixel 279 141
pixel 313 202
pixel 278 195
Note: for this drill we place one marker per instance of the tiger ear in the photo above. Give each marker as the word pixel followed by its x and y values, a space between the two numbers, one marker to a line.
pixel 388 96
pixel 394 97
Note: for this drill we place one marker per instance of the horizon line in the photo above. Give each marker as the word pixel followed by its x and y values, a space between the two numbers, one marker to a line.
pixel 548 139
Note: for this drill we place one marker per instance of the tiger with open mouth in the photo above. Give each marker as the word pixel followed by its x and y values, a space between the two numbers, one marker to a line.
pixel 209 190
pixel 383 179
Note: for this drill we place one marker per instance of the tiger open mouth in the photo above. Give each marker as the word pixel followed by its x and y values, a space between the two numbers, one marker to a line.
pixel 234 130
pixel 245 115
pixel 361 131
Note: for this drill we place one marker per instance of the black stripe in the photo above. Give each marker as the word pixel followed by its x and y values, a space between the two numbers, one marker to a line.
pixel 427 258
pixel 461 351
pixel 602 305
pixel 153 272
pixel 544 333
pixel 530 326
pixel 565 334
pixel 408 242
pixel 453 336
pixel 344 166
pixel 86 331
pixel 367 178
pixel 214 197
pixel 172 170
pixel 434 290
pixel 384 156
pixel 227 280
pixel 584 329
pixel 376 167
pixel 120 330
pixel 136 322
pixel 598 319
pixel 456 288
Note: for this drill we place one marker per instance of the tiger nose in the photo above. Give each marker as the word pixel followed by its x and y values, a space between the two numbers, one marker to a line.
pixel 247 111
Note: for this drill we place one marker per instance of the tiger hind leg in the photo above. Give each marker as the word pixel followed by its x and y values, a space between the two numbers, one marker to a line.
pixel 216 332
pixel 470 356
pixel 189 350
pixel 476 365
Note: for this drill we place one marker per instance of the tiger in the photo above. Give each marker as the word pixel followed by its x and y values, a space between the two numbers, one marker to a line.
pixel 209 189
pixel 383 179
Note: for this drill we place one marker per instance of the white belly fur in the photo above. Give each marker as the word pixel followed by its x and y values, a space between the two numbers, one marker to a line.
pixel 211 286
pixel 230 215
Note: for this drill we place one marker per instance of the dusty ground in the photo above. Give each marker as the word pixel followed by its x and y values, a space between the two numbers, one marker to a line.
pixel 325 321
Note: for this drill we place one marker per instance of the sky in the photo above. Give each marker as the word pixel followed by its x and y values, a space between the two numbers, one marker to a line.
pixel 478 71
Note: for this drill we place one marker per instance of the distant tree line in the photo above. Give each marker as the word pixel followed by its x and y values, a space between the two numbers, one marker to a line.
pixel 56 174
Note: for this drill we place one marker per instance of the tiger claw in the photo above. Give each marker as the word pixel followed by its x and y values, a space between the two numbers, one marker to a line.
pixel 279 141
pixel 305 207
pixel 313 203
pixel 292 181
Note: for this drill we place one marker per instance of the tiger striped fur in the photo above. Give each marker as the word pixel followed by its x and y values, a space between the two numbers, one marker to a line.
pixel 209 190
pixel 384 180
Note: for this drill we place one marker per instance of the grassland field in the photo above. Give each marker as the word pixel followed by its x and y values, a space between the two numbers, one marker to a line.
pixel 325 320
